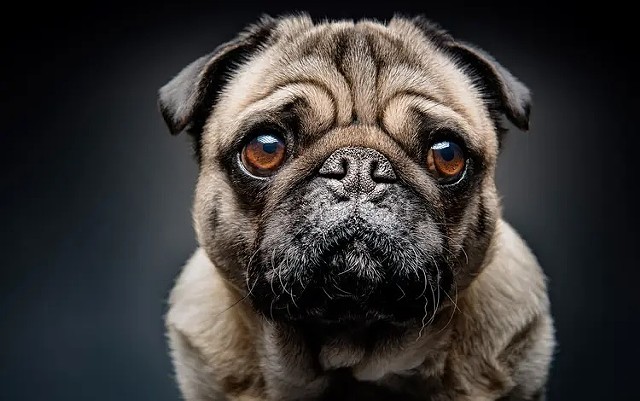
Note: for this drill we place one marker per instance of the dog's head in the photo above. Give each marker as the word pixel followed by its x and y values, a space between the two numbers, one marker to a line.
pixel 346 169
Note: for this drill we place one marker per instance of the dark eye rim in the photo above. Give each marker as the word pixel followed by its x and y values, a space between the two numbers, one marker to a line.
pixel 253 134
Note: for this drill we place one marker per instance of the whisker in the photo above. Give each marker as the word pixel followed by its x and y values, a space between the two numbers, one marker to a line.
pixel 424 318
pixel 329 296
pixel 250 288
pixel 273 270
pixel 280 268
pixel 341 290
pixel 426 281
pixel 453 311
pixel 403 293
pixel 434 303
pixel 231 306
pixel 271 307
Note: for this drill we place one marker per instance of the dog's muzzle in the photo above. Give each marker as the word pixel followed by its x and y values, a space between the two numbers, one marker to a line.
pixel 352 244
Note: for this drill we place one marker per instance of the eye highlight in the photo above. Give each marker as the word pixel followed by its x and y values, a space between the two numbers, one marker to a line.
pixel 446 161
pixel 263 154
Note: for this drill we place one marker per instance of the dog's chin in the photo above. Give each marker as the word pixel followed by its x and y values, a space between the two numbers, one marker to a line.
pixel 358 280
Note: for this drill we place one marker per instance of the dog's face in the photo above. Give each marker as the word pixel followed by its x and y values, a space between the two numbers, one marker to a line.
pixel 346 170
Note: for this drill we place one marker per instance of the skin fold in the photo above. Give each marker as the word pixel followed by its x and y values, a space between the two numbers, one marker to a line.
pixel 352 271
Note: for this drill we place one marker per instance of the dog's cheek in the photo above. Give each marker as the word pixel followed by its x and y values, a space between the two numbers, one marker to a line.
pixel 477 239
pixel 224 229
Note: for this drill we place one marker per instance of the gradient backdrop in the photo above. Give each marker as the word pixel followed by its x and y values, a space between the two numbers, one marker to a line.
pixel 95 194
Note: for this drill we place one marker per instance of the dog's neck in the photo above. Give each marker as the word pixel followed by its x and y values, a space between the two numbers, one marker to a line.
pixel 316 353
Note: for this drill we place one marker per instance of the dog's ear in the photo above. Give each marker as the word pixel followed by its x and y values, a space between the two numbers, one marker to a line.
pixel 511 96
pixel 503 91
pixel 187 99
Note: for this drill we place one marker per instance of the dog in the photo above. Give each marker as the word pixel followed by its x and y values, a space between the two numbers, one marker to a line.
pixel 351 244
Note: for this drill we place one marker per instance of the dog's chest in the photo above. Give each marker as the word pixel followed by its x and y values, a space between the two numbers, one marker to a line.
pixel 410 387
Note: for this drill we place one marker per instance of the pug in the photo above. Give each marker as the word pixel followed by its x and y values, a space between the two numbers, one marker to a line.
pixel 351 245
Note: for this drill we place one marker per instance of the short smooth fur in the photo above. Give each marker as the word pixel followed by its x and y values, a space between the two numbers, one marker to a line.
pixel 419 291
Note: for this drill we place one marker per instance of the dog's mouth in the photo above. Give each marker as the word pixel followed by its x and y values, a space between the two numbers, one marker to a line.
pixel 355 275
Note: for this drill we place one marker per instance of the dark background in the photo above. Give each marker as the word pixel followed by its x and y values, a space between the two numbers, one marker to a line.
pixel 96 195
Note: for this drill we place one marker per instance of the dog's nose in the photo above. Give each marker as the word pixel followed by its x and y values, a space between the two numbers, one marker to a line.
pixel 359 170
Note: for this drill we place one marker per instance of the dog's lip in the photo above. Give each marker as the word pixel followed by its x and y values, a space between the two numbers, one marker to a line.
pixel 345 311
pixel 354 246
pixel 354 242
pixel 351 237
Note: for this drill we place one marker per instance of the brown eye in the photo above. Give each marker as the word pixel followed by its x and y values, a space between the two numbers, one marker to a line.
pixel 446 161
pixel 263 154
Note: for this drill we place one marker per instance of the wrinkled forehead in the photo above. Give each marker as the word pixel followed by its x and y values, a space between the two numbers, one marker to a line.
pixel 365 73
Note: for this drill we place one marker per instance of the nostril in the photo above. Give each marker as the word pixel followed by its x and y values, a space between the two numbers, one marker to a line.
pixel 345 167
pixel 335 168
pixel 382 172
pixel 372 169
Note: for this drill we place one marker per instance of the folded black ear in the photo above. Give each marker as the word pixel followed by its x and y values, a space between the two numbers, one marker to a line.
pixel 186 100
pixel 503 91
pixel 513 98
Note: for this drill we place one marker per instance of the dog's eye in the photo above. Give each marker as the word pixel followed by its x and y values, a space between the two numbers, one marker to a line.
pixel 446 161
pixel 263 154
